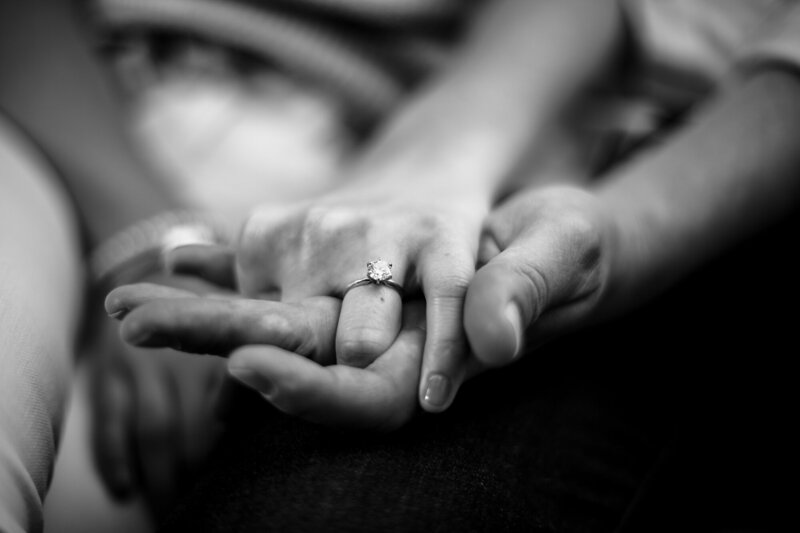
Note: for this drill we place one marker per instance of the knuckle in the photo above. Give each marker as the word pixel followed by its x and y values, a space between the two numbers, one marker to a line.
pixel 323 223
pixel 581 228
pixel 434 221
pixel 583 242
pixel 452 285
pixel 538 288
pixel 289 399
pixel 573 269
pixel 258 229
pixel 279 327
pixel 448 347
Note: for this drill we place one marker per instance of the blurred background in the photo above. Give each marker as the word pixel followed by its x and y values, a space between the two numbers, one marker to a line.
pixel 235 102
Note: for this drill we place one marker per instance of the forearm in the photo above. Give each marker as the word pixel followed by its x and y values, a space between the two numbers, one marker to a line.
pixel 522 65
pixel 53 88
pixel 734 170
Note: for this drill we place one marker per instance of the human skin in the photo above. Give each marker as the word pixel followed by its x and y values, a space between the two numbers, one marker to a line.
pixel 62 100
pixel 419 193
pixel 648 224
pixel 293 351
pixel 555 259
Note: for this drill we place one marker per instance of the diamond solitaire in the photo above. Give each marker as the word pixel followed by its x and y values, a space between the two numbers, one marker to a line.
pixel 379 270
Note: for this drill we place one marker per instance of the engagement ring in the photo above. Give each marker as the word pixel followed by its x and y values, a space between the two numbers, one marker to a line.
pixel 379 272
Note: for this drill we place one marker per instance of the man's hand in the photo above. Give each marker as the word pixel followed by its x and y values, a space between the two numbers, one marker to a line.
pixel 154 417
pixel 428 233
pixel 546 254
pixel 281 350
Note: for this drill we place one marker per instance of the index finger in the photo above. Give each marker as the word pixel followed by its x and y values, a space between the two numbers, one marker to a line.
pixel 218 325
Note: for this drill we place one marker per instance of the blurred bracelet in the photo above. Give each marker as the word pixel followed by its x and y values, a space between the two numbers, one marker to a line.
pixel 138 250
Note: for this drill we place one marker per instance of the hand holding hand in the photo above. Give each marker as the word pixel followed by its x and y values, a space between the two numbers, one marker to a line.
pixel 429 233
pixel 281 350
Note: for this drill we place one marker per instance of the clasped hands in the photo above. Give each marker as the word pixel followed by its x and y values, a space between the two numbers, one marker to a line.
pixel 481 283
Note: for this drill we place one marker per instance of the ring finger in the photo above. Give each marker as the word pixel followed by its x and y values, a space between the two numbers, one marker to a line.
pixel 371 314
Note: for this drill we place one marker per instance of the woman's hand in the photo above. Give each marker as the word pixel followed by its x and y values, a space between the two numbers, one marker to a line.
pixel 420 190
pixel 548 255
pixel 427 230
pixel 284 351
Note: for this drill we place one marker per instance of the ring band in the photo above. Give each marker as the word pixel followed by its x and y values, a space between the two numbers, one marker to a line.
pixel 379 272
pixel 367 281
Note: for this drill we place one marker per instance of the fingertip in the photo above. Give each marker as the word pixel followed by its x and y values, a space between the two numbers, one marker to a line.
pixel 438 393
pixel 362 350
pixel 249 377
pixel 115 306
pixel 138 332
pixel 253 366
pixel 245 357
pixel 133 332
pixel 118 302
pixel 492 320
pixel 121 300
pixel 291 383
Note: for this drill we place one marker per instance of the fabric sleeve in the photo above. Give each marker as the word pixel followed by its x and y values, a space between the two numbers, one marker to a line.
pixel 40 304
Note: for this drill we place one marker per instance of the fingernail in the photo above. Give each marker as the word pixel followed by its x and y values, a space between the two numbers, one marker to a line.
pixel 438 391
pixel 514 318
pixel 119 314
pixel 115 306
pixel 253 380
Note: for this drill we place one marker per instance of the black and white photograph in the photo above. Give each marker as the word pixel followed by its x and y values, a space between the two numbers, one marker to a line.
pixel 399 266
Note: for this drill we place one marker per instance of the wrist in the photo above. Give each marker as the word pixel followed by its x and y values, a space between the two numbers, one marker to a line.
pixel 136 251
pixel 652 236
pixel 454 136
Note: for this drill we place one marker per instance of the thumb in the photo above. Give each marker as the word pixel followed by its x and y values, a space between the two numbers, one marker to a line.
pixel 543 281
